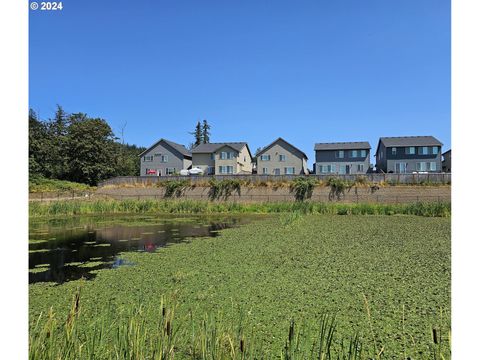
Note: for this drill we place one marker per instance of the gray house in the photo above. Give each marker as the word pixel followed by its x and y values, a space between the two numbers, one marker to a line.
pixel 409 154
pixel 223 158
pixel 164 158
pixel 342 158
pixel 447 161
pixel 281 158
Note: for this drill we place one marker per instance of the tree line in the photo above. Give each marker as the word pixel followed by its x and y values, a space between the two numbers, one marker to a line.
pixel 79 148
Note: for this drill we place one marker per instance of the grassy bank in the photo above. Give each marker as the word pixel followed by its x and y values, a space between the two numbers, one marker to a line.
pixel 39 184
pixel 383 278
pixel 432 209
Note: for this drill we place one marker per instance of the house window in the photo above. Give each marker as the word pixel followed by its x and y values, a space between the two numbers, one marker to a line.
pixel 363 153
pixel 432 166
pixel 225 169
pixel 394 151
pixel 265 157
pixel 423 150
pixel 360 168
pixel 354 153
pixel 276 171
pixel 164 158
pixel 148 158
pixel 282 157
pixel 230 155
pixel 170 171
pixel 342 169
pixel 265 171
pixel 289 170
pixel 212 156
pixel 211 170
pixel 410 150
pixel 435 150
pixel 223 155
pixel 401 167
pixel 340 154
pixel 421 166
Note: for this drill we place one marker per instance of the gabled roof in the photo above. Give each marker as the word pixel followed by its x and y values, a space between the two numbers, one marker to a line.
pixel 212 147
pixel 177 147
pixel 410 141
pixel 276 141
pixel 353 145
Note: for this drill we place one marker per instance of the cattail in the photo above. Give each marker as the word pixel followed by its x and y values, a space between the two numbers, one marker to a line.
pixel 241 345
pixel 164 311
pixel 290 333
pixel 434 333
pixel 168 328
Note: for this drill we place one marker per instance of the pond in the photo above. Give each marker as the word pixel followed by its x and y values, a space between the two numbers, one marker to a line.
pixel 72 248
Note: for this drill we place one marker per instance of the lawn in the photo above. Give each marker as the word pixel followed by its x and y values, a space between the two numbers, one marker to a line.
pixel 385 278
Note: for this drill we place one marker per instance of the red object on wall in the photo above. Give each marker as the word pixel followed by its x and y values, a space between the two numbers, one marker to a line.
pixel 151 171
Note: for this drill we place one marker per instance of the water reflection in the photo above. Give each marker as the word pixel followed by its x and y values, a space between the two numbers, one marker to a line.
pixel 69 249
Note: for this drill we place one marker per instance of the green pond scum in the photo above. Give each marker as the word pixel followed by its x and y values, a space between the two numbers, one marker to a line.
pixel 289 286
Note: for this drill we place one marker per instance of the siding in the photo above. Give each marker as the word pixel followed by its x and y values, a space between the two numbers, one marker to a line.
pixel 293 159
pixel 174 160
pixel 327 157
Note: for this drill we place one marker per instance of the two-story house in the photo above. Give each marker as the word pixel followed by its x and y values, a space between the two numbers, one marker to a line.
pixel 164 158
pixel 223 158
pixel 409 154
pixel 342 158
pixel 281 158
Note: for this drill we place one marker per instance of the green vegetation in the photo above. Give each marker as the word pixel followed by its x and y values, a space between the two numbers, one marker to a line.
pixel 175 188
pixel 41 184
pixel 222 189
pixel 181 206
pixel 263 290
pixel 303 188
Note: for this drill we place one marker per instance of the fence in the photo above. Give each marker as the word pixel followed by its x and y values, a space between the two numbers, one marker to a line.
pixel 430 178
pixel 60 195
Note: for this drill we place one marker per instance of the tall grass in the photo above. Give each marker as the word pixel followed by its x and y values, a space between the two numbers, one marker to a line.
pixel 180 206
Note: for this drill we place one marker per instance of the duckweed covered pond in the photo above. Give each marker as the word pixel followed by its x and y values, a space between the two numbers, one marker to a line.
pixel 72 248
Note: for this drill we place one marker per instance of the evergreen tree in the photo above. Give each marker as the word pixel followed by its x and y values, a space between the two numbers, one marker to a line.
pixel 205 132
pixel 198 134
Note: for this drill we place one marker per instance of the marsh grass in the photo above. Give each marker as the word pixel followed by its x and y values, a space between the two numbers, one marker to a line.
pixel 181 206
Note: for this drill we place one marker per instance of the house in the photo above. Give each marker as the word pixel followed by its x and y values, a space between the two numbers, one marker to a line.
pixel 342 158
pixel 164 158
pixel 447 161
pixel 409 154
pixel 223 158
pixel 281 158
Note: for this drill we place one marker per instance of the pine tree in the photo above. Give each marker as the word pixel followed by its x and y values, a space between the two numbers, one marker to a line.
pixel 198 134
pixel 205 132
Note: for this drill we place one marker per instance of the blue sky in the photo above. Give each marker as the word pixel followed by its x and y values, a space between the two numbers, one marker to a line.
pixel 308 71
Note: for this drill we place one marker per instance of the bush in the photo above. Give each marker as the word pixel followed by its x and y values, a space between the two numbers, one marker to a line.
pixel 303 188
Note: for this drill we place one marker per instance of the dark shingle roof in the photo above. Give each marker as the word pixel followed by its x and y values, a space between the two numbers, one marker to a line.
pixel 343 145
pixel 178 147
pixel 280 139
pixel 410 141
pixel 212 147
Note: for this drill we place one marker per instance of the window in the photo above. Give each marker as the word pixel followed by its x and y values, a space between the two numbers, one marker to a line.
pixel 394 151
pixel 265 171
pixel 410 150
pixel 421 166
pixel 282 157
pixel 223 155
pixel 148 158
pixel 212 156
pixel 164 158
pixel 225 169
pixel 276 171
pixel 435 150
pixel 342 169
pixel 265 157
pixel 432 166
pixel 211 170
pixel 157 154
pixel 340 154
pixel 230 155
pixel 360 168
pixel 363 153
pixel 354 153
pixel 401 167
pixel 289 170
pixel 170 171
pixel 423 150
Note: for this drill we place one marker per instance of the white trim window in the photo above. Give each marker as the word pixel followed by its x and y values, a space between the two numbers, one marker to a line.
pixel 432 166
pixel 265 171
pixel 394 151
pixel 265 157
pixel 223 155
pixel 276 171
pixel 401 167
pixel 435 150
pixel 360 168
pixel 421 166
pixel 342 169
pixel 340 154
pixel 289 170
pixel 363 153
pixel 148 158
pixel 423 150
pixel 225 169
pixel 169 171
pixel 282 157
pixel 164 158
pixel 410 150
pixel 211 170
pixel 354 154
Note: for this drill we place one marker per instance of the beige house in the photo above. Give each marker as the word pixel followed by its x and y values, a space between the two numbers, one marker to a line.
pixel 223 158
pixel 281 158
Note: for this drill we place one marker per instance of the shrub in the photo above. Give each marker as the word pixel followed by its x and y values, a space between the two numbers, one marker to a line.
pixel 303 188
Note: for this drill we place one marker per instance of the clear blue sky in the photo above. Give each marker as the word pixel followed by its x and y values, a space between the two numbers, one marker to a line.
pixel 308 71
